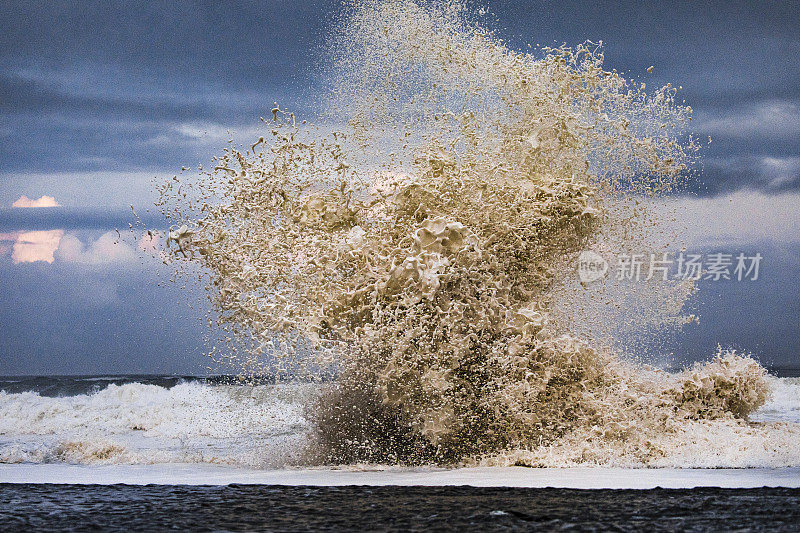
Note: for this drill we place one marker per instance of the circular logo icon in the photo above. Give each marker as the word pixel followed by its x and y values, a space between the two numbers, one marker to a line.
pixel 591 266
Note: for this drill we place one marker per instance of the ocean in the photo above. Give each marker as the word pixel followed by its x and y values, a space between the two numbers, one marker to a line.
pixel 119 420
pixel 81 453
pixel 354 508
pixel 426 254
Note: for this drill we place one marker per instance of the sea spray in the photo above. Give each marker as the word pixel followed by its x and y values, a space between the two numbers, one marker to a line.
pixel 422 249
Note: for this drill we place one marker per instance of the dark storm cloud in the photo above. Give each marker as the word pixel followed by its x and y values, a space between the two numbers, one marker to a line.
pixel 732 59
pixel 105 86
pixel 719 51
pixel 47 218
pixel 90 87
pixel 237 44
pixel 750 172
pixel 99 97
pixel 63 144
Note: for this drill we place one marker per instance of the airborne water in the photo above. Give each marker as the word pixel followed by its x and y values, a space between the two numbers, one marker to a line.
pixel 420 242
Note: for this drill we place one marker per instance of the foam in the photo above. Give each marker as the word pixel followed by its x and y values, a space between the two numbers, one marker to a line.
pixel 783 404
pixel 264 427
pixel 136 423
pixel 424 253
pixel 573 478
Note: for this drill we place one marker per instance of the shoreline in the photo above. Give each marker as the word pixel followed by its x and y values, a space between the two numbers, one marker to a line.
pixel 519 477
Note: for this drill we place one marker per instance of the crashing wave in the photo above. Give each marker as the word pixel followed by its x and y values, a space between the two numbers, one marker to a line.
pixel 417 251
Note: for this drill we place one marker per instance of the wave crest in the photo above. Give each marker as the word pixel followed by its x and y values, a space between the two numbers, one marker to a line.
pixel 417 251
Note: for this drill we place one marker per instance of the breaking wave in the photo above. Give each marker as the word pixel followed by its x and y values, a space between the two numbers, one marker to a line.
pixel 266 426
pixel 424 252
pixel 138 423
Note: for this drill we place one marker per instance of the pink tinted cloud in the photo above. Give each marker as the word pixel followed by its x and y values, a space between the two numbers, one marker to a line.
pixel 149 241
pixel 107 249
pixel 44 201
pixel 32 246
pixel 57 245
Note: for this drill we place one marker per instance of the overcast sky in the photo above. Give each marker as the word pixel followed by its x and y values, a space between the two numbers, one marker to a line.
pixel 99 98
